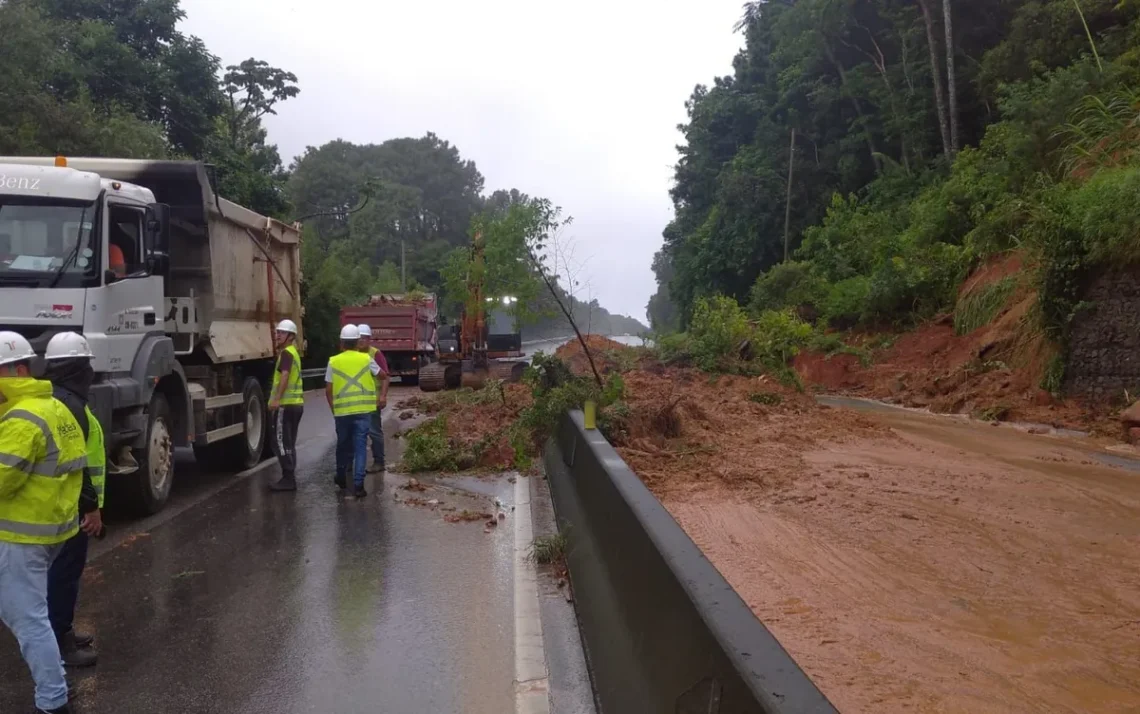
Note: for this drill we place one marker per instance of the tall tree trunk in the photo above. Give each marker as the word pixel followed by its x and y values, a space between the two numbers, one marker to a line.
pixel 936 71
pixel 855 103
pixel 951 77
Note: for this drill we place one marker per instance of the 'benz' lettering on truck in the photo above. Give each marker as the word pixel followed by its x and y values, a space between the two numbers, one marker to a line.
pixel 27 184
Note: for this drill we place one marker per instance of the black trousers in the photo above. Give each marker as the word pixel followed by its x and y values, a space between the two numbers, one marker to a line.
pixel 63 583
pixel 285 423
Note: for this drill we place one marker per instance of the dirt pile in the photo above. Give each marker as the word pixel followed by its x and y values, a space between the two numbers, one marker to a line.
pixel 993 372
pixel 675 426
pixel 684 431
pixel 608 355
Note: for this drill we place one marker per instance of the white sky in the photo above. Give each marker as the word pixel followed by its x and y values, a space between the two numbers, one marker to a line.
pixel 574 101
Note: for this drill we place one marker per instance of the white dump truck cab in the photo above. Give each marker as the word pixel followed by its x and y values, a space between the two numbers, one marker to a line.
pixel 175 294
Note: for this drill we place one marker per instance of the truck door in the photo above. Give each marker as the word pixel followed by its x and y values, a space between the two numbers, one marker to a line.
pixel 131 299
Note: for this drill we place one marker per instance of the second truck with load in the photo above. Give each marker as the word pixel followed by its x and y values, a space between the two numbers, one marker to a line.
pixel 176 289
pixel 404 328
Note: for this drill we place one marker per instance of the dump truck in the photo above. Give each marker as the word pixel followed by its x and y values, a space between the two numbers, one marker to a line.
pixel 176 289
pixel 404 328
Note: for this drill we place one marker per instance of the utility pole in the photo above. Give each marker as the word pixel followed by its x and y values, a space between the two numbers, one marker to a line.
pixel 403 269
pixel 788 201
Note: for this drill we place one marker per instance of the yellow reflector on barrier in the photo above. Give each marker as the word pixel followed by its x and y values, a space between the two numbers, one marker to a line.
pixel 591 415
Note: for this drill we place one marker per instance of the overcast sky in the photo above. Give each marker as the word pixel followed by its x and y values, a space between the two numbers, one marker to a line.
pixel 574 101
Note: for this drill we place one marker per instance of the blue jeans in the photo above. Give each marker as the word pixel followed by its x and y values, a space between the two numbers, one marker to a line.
pixel 24 609
pixel 352 446
pixel 376 431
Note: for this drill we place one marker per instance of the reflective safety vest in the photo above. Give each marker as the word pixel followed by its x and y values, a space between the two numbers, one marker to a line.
pixel 293 394
pixel 42 457
pixel 96 455
pixel 353 386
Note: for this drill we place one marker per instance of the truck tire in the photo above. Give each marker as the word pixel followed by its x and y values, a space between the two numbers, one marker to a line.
pixel 245 450
pixel 149 488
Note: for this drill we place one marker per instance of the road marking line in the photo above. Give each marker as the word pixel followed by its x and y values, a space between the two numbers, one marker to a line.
pixel 531 677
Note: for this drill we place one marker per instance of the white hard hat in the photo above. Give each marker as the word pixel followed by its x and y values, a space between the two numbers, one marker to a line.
pixel 67 345
pixel 349 332
pixel 14 348
pixel 287 326
pixel 365 330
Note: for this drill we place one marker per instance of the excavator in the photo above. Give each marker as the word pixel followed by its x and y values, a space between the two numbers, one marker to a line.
pixel 471 355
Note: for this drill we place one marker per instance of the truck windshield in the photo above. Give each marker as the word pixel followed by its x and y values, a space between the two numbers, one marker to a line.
pixel 40 242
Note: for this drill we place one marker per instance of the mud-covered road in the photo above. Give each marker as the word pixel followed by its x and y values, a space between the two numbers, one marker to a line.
pixel 941 565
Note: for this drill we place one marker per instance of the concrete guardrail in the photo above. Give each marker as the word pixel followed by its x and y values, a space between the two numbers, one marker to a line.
pixel 663 630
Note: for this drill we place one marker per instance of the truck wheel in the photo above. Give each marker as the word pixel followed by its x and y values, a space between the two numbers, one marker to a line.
pixel 150 485
pixel 246 450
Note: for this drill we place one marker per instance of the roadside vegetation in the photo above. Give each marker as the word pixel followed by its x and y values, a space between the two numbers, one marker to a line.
pixel 912 176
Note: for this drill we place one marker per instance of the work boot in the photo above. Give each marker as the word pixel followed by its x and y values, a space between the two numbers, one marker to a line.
pixel 82 639
pixel 287 483
pixel 72 655
pixel 340 481
pixel 359 492
pixel 65 709
pixel 376 468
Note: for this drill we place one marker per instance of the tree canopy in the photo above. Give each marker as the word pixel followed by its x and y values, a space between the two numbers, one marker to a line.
pixel 118 78
pixel 918 130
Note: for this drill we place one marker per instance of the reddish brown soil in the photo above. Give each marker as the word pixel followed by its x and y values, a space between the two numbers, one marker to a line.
pixel 908 562
pixel 992 372
pixel 604 351
pixel 949 567
pixel 687 431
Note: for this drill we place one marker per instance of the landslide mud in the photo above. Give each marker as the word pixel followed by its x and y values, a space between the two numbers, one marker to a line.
pixel 934 566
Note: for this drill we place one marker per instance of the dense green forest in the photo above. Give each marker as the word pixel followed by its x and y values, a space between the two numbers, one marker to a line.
pixel 117 78
pixel 893 146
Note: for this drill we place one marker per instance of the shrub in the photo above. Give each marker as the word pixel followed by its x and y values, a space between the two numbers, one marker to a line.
pixel 429 449
pixel 914 283
pixel 778 337
pixel 673 348
pixel 787 285
pixel 1106 212
pixel 718 329
pixel 845 302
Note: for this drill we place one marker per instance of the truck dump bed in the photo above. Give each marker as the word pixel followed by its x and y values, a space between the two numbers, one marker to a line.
pixel 234 273
pixel 402 327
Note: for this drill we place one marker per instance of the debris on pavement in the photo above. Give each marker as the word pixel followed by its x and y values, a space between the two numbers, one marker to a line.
pixel 466 516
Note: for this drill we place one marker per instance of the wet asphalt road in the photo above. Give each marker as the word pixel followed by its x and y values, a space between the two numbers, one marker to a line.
pixel 238 600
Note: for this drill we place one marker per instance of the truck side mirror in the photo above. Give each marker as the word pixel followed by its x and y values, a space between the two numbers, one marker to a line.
pixel 158 227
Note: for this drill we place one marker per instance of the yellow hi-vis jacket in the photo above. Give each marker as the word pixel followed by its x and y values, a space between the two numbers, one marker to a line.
pixel 353 386
pixel 293 394
pixel 96 455
pixel 42 457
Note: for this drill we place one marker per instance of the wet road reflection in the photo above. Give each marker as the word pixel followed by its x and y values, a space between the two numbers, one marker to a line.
pixel 248 601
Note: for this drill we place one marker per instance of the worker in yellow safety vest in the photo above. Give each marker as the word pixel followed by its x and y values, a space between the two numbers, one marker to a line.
pixel 376 428
pixel 286 405
pixel 350 388
pixel 42 460
pixel 68 367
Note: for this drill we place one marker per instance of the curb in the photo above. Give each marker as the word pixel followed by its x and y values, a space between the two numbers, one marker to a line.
pixel 532 682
